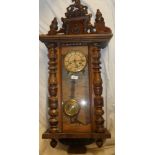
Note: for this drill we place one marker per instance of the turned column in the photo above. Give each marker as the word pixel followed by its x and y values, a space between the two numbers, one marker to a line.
pixel 98 99
pixel 52 88
pixel 97 87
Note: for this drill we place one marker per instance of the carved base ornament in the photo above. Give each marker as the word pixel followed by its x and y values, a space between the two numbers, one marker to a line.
pixel 76 104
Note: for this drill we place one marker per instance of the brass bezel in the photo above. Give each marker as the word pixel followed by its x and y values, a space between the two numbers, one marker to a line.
pixel 71 101
pixel 83 66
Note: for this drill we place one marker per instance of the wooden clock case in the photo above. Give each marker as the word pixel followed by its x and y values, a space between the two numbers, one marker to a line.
pixel 76 30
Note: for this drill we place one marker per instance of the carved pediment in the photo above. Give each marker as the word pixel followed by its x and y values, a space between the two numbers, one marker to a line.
pixel 76 10
pixel 78 21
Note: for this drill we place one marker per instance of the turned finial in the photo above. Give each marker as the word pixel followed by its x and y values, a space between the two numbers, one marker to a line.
pixel 53 27
pixel 99 17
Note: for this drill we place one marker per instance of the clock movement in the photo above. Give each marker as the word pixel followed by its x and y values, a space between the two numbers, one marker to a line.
pixel 76 104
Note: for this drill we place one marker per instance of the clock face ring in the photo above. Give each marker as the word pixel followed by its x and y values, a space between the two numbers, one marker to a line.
pixel 75 61
pixel 71 107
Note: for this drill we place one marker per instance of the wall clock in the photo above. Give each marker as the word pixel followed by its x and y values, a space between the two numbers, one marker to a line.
pixel 75 84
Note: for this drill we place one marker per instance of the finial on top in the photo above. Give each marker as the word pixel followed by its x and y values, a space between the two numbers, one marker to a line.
pixel 53 27
pixel 100 24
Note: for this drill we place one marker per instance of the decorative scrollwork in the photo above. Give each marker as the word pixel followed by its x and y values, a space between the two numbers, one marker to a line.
pixel 76 10
pixel 78 21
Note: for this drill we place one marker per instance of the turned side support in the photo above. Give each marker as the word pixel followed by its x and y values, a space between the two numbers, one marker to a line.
pixel 52 88
pixel 98 99
pixel 97 86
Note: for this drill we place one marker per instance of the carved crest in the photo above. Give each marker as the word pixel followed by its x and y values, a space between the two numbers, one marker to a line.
pixel 76 10
pixel 78 21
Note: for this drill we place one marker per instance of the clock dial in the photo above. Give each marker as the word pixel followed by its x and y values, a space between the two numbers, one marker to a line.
pixel 71 107
pixel 75 61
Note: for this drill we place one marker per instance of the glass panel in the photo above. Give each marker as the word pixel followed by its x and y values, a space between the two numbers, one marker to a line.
pixel 75 89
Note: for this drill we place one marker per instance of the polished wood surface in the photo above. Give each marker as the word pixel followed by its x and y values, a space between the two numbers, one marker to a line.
pixel 48 135
pixel 102 39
